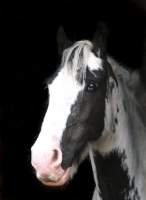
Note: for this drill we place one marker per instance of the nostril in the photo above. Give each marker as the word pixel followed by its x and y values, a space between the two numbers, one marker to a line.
pixel 55 155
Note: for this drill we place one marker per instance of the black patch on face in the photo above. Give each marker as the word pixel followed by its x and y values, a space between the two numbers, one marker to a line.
pixel 113 180
pixel 86 120
pixel 74 114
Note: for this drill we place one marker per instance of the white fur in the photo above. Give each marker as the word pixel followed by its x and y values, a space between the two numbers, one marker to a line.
pixel 130 134
pixel 63 93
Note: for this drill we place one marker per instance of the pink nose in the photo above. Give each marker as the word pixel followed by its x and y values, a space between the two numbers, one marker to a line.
pixel 47 163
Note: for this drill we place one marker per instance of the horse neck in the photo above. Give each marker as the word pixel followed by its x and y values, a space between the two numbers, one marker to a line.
pixel 124 132
pixel 125 118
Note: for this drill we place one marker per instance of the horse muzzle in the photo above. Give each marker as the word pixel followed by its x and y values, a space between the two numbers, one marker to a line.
pixel 47 164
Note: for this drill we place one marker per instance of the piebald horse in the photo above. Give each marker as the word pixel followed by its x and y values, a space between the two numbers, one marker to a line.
pixel 96 108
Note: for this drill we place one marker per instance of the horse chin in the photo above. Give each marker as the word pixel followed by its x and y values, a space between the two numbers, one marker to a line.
pixel 61 181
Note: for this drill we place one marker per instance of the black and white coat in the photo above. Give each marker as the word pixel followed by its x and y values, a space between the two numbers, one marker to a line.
pixel 96 108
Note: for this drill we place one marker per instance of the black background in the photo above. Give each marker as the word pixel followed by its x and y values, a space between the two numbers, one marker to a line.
pixel 28 55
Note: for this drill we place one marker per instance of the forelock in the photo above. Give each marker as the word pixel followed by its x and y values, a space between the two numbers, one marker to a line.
pixel 75 59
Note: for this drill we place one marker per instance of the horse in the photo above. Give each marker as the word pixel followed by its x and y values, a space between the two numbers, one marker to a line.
pixel 96 109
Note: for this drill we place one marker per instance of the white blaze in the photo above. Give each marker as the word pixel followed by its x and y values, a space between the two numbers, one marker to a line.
pixel 63 94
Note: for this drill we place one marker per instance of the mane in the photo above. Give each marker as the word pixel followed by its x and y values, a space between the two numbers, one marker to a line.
pixel 132 80
pixel 74 60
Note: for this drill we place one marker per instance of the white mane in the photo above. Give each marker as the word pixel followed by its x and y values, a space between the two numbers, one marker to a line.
pixel 130 79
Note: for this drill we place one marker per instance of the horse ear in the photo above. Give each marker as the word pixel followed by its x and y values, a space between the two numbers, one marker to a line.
pixel 62 40
pixel 100 39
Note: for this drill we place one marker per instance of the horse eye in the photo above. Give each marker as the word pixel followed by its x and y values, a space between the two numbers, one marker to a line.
pixel 92 86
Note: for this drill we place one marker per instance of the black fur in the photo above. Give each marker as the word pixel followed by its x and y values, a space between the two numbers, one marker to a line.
pixel 86 119
pixel 112 177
